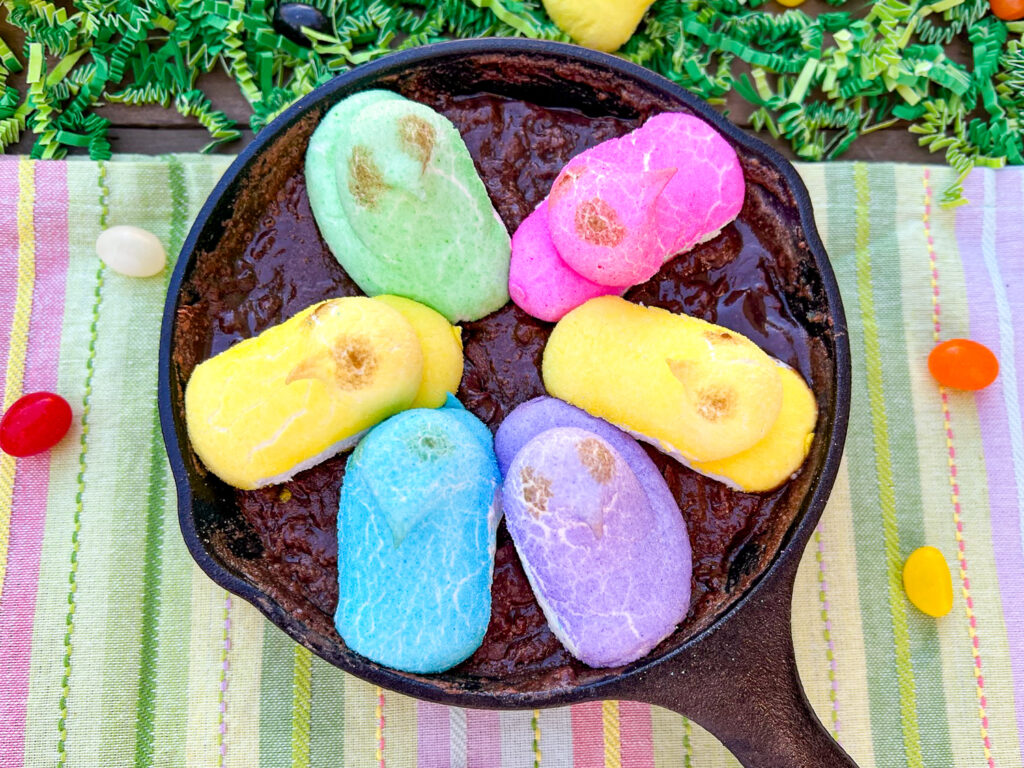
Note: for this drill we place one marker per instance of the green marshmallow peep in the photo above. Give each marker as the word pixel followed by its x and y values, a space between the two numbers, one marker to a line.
pixel 398 199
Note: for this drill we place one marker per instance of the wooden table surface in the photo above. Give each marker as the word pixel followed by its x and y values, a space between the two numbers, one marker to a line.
pixel 154 130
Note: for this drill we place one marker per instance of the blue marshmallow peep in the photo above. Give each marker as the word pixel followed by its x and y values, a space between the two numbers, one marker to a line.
pixel 417 521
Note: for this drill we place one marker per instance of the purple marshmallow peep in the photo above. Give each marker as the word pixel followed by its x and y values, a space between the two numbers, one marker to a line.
pixel 539 282
pixel 613 223
pixel 602 221
pixel 600 537
pixel 542 413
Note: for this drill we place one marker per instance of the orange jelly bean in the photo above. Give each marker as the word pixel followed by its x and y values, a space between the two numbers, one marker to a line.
pixel 1008 10
pixel 963 364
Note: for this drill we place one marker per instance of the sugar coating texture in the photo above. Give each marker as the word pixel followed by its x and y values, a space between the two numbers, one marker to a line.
pixel 531 418
pixel 602 221
pixel 397 197
pixel 539 282
pixel 611 220
pixel 693 389
pixel 417 520
pixel 609 565
pixel 302 391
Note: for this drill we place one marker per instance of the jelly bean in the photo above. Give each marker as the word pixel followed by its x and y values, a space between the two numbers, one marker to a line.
pixel 292 17
pixel 927 581
pixel 1008 10
pixel 35 423
pixel 131 251
pixel 963 364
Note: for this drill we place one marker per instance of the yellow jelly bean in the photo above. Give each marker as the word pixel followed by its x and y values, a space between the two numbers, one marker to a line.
pixel 927 581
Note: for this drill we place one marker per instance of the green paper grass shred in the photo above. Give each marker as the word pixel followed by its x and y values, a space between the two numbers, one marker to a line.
pixel 817 82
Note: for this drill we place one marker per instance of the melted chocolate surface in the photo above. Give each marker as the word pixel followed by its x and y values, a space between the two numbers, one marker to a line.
pixel 738 279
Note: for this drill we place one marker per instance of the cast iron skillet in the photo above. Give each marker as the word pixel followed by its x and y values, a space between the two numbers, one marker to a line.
pixel 735 675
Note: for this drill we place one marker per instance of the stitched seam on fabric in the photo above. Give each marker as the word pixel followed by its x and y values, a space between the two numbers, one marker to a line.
pixel 18 344
pixel 301 689
pixel 76 525
pixel 225 677
pixel 535 725
pixel 379 713
pixel 612 735
pixel 830 652
pixel 155 502
pixel 883 468
pixel 954 486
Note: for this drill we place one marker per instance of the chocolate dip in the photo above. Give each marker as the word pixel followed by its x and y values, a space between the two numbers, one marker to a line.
pixel 740 279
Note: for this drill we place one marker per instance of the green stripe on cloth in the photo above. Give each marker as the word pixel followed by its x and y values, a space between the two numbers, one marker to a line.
pixel 275 704
pixel 156 502
pixel 894 369
pixel 327 715
pixel 301 691
pixel 868 454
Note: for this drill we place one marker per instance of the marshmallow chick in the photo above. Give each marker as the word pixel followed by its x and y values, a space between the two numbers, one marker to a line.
pixel 534 416
pixel 397 197
pixel 307 389
pixel 539 282
pixel 441 343
pixel 609 565
pixel 692 389
pixel 707 191
pixel 417 520
pixel 621 179
pixel 602 221
pixel 774 458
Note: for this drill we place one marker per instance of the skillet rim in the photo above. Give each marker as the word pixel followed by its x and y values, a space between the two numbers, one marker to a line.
pixel 426 688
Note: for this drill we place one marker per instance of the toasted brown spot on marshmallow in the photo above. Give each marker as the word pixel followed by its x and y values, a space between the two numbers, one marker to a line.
pixel 365 180
pixel 536 490
pixel 597 223
pixel 715 403
pixel 597 459
pixel 417 137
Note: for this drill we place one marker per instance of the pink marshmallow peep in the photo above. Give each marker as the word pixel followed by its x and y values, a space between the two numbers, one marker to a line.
pixel 556 267
pixel 706 193
pixel 602 220
pixel 539 282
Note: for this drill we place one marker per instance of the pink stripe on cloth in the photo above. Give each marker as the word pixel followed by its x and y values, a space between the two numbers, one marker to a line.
pixel 483 738
pixel 587 735
pixel 434 737
pixel 31 483
pixel 8 255
pixel 997 443
pixel 637 735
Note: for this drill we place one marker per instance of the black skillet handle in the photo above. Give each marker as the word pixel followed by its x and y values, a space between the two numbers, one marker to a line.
pixel 741 684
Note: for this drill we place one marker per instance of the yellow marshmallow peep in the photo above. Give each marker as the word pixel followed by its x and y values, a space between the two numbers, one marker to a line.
pixel 602 24
pixel 704 394
pixel 772 460
pixel 442 350
pixel 307 389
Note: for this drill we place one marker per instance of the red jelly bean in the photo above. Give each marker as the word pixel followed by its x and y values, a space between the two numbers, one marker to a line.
pixel 35 423
pixel 963 364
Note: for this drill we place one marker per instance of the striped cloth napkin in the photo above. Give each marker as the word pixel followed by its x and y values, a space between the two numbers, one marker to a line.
pixel 115 650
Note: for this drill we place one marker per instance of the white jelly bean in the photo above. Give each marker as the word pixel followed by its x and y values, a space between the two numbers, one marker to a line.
pixel 131 251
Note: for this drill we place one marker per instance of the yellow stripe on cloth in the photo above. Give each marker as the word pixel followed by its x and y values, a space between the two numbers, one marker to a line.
pixel 612 737
pixel 15 374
